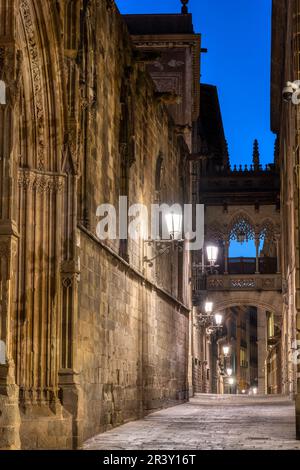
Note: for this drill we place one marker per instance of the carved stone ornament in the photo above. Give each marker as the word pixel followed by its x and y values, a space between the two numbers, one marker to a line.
pixel 110 5
pixel 40 182
pixel 35 64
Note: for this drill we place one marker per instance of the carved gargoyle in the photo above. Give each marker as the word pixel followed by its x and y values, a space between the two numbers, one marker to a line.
pixel 167 97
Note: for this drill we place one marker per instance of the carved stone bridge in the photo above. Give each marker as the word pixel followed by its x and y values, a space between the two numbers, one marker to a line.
pixel 261 290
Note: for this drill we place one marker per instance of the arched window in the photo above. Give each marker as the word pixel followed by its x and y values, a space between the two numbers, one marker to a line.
pixel 2 92
pixel 267 237
pixel 242 237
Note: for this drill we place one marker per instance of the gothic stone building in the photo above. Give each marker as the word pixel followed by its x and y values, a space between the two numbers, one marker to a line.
pixel 91 335
pixel 97 332
pixel 285 121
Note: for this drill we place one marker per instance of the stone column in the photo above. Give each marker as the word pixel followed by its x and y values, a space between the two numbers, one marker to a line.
pixel 257 254
pixel 226 255
pixel 262 349
pixel 10 62
pixel 278 269
pixel 298 377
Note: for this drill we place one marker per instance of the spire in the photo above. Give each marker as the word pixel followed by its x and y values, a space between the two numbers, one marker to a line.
pixel 255 154
pixel 184 9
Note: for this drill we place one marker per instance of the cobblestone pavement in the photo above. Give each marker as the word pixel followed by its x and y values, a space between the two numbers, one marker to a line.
pixel 208 422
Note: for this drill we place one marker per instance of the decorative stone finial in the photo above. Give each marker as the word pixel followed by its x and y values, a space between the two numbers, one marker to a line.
pixel 255 154
pixel 184 9
pixel 226 159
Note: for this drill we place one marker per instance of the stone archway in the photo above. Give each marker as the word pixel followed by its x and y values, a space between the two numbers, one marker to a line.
pixel 265 302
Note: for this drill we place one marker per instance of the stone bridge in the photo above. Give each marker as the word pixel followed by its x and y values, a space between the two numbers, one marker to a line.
pixel 258 290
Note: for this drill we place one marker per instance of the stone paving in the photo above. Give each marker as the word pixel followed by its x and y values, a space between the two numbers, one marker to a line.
pixel 209 422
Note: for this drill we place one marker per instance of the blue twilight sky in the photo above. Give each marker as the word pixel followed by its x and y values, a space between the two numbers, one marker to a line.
pixel 237 34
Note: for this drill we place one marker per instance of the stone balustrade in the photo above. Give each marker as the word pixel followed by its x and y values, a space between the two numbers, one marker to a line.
pixel 258 282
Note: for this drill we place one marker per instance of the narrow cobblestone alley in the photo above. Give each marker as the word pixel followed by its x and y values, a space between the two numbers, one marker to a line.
pixel 209 422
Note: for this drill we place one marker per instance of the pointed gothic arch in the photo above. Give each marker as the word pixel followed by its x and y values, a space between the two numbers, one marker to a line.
pixel 267 230
pixel 241 222
pixel 40 154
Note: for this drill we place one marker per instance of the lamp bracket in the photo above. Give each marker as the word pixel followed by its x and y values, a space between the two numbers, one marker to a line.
pixel 162 247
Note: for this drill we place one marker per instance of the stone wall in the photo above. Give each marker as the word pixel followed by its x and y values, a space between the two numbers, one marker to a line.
pixel 132 343
pixel 133 338
pixel 285 124
pixel 94 335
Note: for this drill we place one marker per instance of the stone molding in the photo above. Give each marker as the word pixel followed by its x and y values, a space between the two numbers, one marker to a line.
pixel 36 75
pixel 40 181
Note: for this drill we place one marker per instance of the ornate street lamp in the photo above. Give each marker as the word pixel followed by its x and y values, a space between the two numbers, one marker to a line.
pixel 231 380
pixel 218 319
pixel 212 254
pixel 241 237
pixel 174 231
pixel 226 350
pixel 208 307
pixel 174 225
pixel 210 321
pixel 229 372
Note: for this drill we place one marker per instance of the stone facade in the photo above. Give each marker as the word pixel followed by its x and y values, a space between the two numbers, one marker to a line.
pixel 93 335
pixel 241 203
pixel 285 123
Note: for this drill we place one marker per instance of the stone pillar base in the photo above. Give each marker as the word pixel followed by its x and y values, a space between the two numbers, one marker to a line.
pixel 9 409
pixel 45 426
pixel 71 399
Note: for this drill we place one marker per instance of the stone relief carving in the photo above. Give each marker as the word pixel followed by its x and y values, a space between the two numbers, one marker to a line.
pixel 166 84
pixel 268 283
pixel 158 65
pixel 29 180
pixel 36 79
pixel 175 63
pixel 242 283
pixel 215 283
